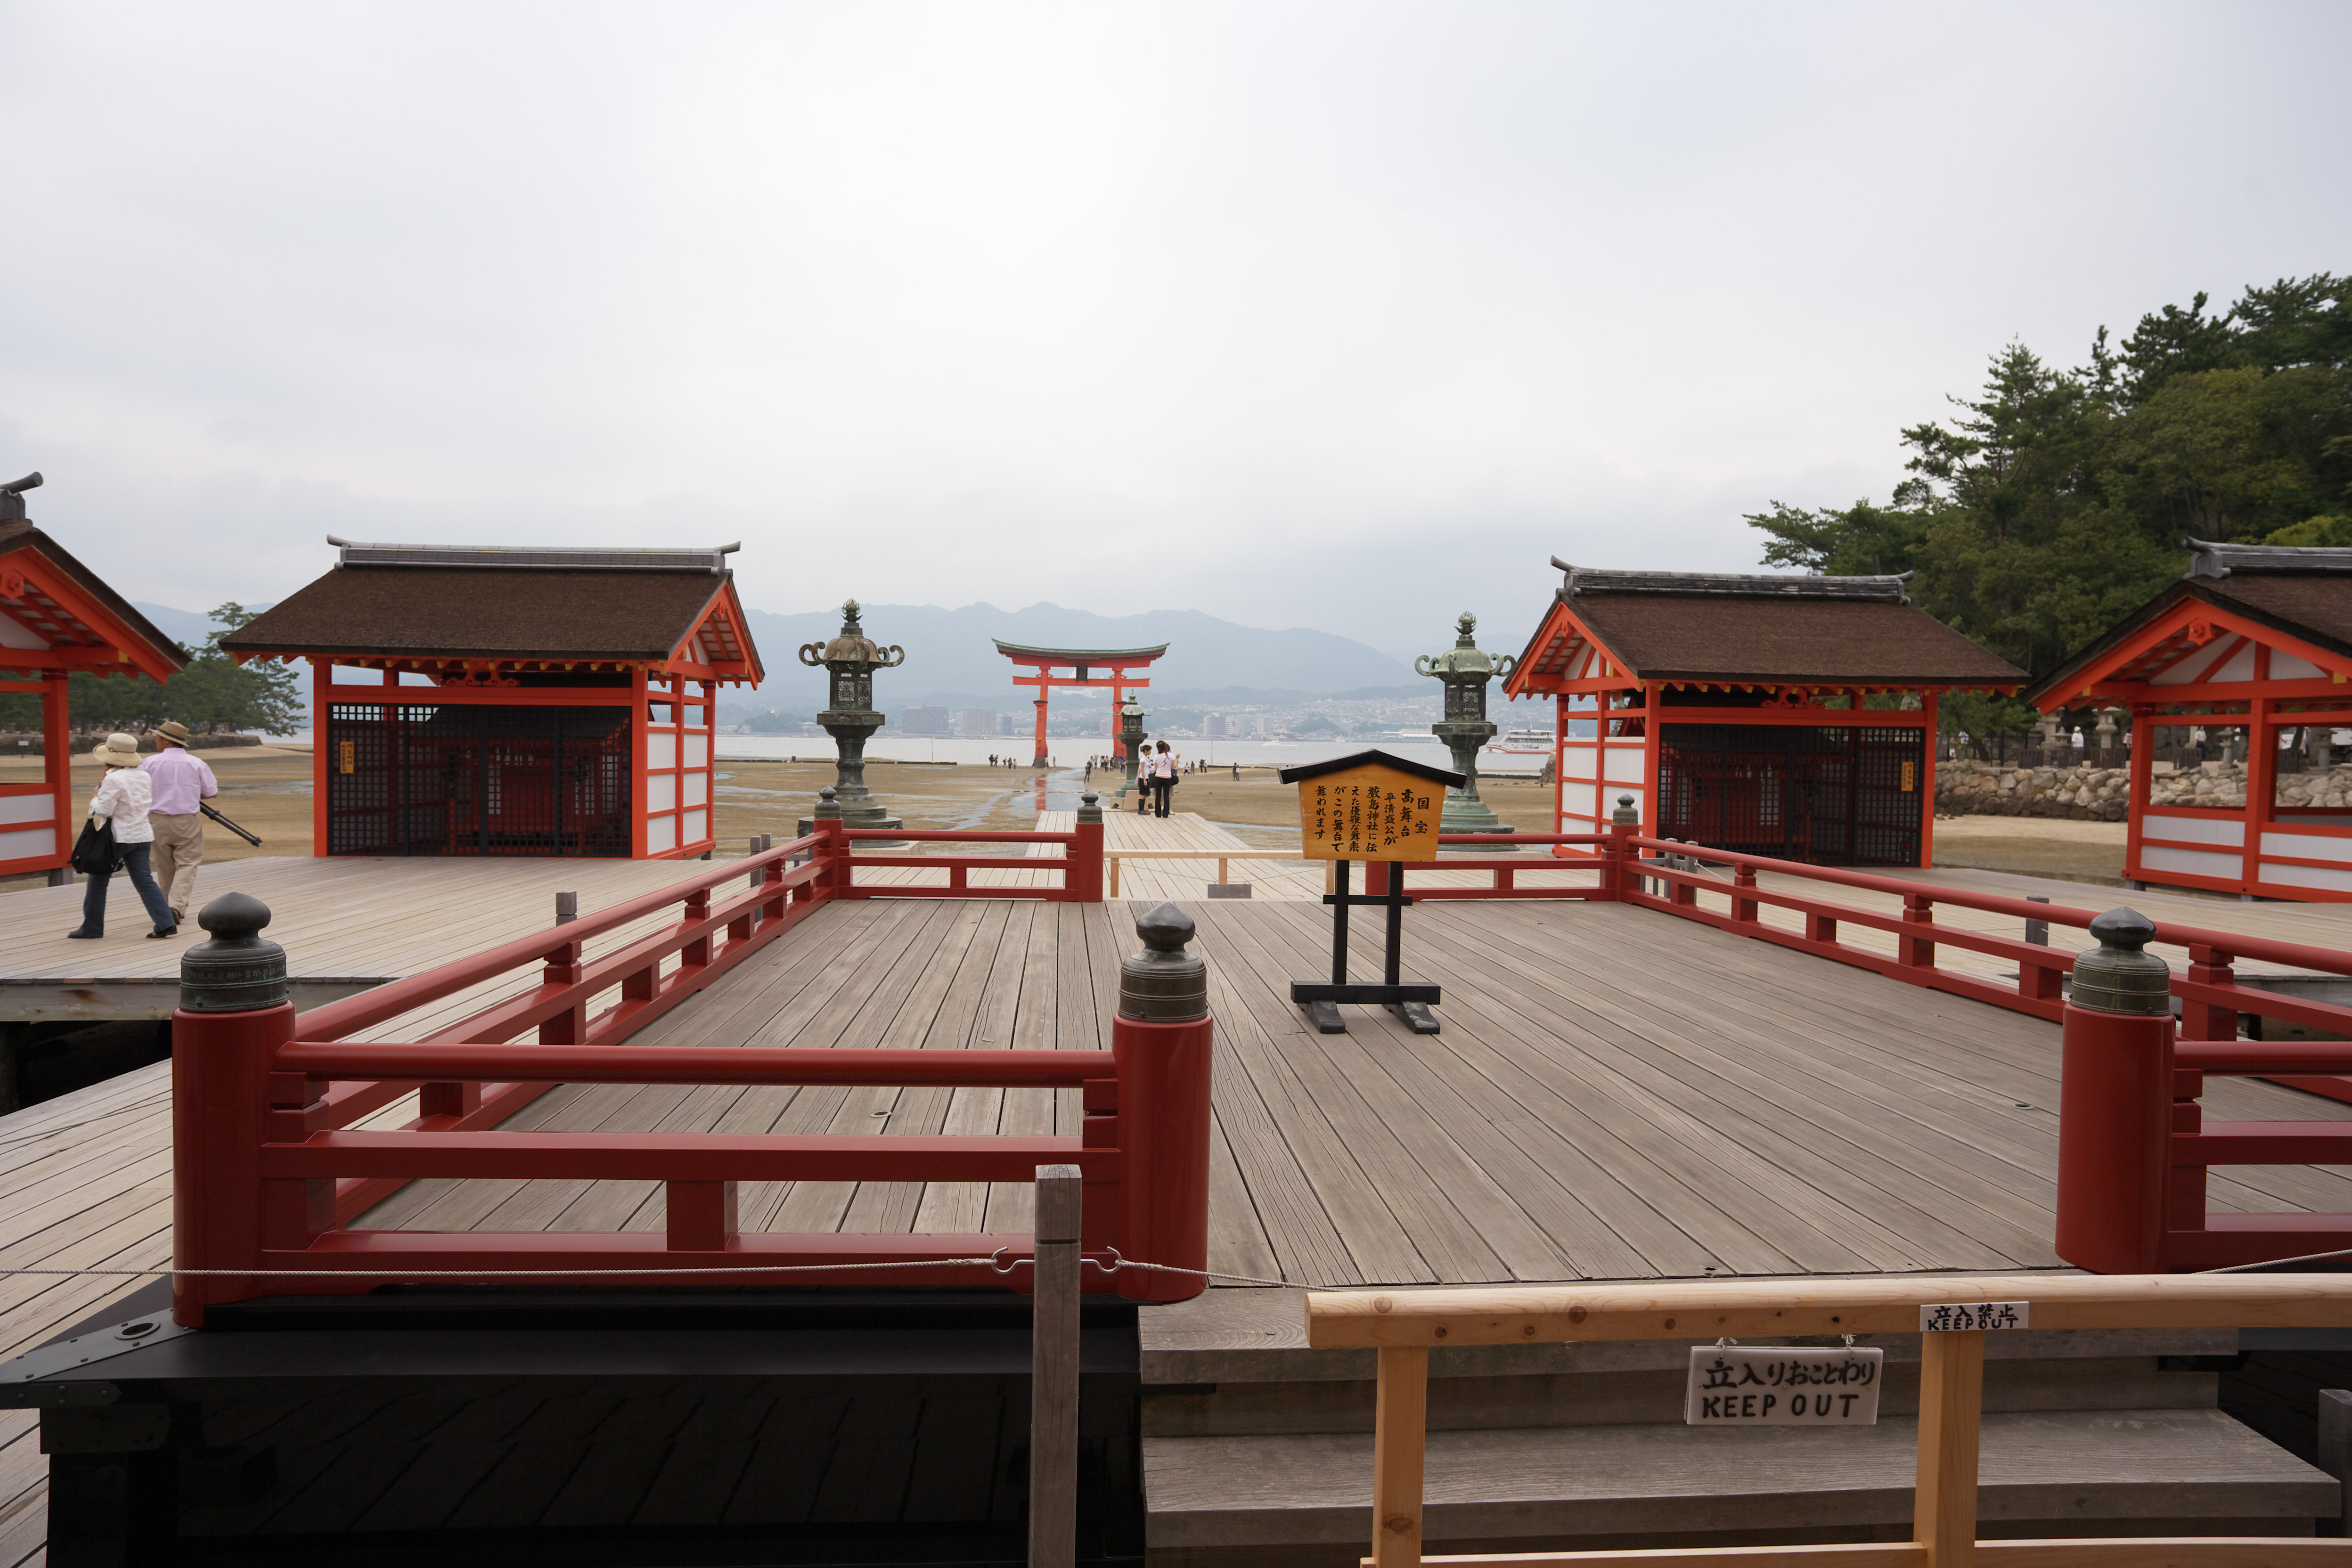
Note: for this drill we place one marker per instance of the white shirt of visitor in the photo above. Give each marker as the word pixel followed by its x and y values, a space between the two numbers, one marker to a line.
pixel 180 780
pixel 124 795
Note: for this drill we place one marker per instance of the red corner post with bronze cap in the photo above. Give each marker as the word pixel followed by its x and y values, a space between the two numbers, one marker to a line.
pixel 1160 1042
pixel 2115 1102
pixel 234 1013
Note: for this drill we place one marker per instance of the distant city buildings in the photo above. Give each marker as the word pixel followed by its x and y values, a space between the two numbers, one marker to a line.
pixel 926 721
pixel 1214 726
pixel 970 722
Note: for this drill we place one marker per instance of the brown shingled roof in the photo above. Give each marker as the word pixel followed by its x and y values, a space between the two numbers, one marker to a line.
pixel 478 613
pixel 18 534
pixel 1829 642
pixel 2315 607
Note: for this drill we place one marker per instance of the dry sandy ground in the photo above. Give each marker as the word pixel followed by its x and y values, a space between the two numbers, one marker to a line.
pixel 2043 846
pixel 267 790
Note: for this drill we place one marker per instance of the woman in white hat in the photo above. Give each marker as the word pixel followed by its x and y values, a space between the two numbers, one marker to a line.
pixel 123 797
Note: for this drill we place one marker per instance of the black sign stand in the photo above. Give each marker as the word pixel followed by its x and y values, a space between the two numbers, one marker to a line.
pixel 1411 1002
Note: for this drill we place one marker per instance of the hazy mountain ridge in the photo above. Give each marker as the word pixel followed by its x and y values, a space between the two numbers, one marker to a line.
pixel 188 627
pixel 952 661
pixel 949 653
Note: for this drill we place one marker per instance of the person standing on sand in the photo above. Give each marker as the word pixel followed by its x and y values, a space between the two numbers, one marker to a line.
pixel 181 781
pixel 1163 778
pixel 123 798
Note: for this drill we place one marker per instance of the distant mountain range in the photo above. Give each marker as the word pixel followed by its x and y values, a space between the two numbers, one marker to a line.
pixel 952 658
pixel 188 627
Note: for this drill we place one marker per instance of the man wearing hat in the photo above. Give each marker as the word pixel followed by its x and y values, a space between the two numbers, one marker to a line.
pixel 181 779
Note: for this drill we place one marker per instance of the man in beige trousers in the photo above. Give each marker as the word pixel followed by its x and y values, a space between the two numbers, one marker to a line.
pixel 180 780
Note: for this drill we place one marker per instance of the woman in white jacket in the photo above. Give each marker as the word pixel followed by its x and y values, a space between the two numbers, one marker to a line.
pixel 123 795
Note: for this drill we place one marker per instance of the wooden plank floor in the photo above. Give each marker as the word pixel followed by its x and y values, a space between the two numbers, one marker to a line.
pixel 1617 1094
pixel 345 917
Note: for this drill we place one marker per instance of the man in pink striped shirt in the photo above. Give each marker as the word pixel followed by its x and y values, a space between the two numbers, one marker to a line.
pixel 180 780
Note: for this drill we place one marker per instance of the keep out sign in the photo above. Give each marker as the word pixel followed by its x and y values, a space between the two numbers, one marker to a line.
pixel 1777 1387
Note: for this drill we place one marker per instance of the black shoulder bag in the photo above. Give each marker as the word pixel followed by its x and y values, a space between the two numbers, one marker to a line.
pixel 94 853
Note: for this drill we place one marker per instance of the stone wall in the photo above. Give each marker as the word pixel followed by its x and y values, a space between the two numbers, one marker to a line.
pixel 1993 789
pixel 2098 795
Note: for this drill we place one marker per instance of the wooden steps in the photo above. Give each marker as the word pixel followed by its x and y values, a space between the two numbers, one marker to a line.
pixel 1258 1450
pixel 1306 1499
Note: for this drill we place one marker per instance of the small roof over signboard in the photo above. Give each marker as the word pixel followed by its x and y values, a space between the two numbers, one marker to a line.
pixel 56 613
pixel 1372 758
pixel 675 607
pixel 1735 628
pixel 2294 603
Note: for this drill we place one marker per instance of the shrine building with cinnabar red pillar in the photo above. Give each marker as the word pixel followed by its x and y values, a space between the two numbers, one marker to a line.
pixel 1784 716
pixel 2238 679
pixel 58 619
pixel 497 700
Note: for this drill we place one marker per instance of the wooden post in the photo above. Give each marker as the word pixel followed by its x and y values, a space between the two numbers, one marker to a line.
pixel 2335 1450
pixel 1951 1406
pixel 567 907
pixel 56 772
pixel 1912 952
pixel 2204 1020
pixel 1054 1372
pixel 1400 1431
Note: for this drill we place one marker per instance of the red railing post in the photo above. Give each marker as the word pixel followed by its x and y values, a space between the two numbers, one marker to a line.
pixel 833 846
pixel 1915 951
pixel 2205 1020
pixel 1743 910
pixel 1618 873
pixel 233 1016
pixel 2114 1103
pixel 1160 1046
pixel 1083 881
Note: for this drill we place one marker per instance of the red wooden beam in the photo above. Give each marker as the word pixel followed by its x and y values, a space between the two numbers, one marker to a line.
pixel 697 1064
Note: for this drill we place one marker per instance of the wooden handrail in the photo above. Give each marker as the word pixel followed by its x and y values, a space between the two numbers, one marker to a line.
pixel 1403 1326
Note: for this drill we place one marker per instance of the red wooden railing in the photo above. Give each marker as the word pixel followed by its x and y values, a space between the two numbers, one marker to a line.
pixel 270 1171
pixel 2134 1146
pixel 1732 900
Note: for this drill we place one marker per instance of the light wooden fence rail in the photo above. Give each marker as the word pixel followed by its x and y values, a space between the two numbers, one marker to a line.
pixel 1403 1326
pixel 1223 857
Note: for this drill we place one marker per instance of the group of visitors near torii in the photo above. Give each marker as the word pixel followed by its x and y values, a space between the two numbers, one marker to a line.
pixel 159 833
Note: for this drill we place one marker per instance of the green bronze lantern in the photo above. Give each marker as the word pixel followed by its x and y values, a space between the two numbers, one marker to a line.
pixel 849 716
pixel 1465 670
pixel 1130 739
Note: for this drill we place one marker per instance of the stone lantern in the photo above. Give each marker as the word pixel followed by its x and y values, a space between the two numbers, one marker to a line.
pixel 1131 740
pixel 1465 670
pixel 849 716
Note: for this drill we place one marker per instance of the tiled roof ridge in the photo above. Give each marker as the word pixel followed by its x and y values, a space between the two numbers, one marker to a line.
pixel 1735 585
pixel 2216 559
pixel 540 558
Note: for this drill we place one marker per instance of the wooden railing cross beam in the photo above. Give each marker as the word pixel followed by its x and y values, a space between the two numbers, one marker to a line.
pixel 1404 1325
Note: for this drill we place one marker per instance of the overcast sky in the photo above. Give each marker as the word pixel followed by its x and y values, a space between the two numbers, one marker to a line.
pixel 1343 315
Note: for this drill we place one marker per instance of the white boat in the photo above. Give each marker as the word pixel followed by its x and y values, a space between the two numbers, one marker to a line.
pixel 1527 741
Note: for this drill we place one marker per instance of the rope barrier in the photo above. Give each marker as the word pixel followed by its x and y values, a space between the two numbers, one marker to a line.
pixel 996 1262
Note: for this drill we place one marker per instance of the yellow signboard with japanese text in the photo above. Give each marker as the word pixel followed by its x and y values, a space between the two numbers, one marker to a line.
pixel 1369 811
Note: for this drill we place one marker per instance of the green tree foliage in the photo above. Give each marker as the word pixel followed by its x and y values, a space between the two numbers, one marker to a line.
pixel 213 693
pixel 2053 503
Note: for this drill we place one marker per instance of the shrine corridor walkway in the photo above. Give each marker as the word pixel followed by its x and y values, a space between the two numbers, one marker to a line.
pixel 1617 1094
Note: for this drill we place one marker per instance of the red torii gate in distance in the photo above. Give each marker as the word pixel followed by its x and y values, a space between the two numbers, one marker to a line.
pixel 1042 662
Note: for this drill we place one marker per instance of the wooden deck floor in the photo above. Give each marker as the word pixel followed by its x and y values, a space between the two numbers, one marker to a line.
pixel 1617 1093
pixel 349 920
